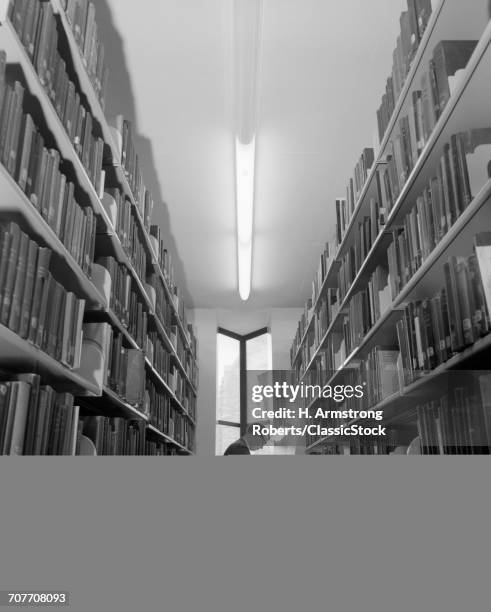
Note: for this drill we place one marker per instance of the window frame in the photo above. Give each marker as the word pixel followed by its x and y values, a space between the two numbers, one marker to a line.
pixel 242 339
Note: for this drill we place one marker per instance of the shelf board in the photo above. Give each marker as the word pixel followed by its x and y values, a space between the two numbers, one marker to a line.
pixel 18 354
pixel 123 407
pixel 165 438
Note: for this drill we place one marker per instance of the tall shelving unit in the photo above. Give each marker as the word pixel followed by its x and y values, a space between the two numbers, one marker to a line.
pixel 17 354
pixel 467 109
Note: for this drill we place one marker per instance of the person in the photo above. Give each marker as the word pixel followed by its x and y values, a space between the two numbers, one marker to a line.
pixel 250 441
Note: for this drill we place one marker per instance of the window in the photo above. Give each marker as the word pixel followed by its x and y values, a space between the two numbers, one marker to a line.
pixel 238 357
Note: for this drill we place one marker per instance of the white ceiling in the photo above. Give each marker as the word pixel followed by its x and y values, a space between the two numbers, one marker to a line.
pixel 323 68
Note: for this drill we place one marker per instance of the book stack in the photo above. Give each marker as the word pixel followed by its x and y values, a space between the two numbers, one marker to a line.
pixel 35 419
pixel 124 302
pixel 433 330
pixel 413 24
pixel 115 436
pixel 81 17
pixel 457 423
pixel 36 26
pixel 33 304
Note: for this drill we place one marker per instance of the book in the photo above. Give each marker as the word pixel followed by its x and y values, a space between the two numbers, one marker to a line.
pixel 482 249
pixel 449 58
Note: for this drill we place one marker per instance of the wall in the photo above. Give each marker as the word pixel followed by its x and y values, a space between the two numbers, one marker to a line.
pixel 281 321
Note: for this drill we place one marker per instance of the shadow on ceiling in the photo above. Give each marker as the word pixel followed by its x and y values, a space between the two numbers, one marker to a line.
pixel 120 100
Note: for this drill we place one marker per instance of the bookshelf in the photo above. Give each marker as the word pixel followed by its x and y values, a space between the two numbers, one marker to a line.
pixel 90 164
pixel 465 110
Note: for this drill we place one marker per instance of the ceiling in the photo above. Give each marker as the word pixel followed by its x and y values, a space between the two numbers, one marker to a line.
pixel 322 71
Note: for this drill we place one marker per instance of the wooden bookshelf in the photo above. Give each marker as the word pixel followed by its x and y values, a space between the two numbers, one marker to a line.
pixel 467 109
pixel 14 205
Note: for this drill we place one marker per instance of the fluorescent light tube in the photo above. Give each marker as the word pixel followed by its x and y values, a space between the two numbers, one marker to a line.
pixel 244 166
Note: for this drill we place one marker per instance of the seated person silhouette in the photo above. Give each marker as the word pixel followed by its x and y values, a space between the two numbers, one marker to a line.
pixel 250 441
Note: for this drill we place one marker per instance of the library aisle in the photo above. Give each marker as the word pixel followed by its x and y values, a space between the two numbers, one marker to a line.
pixel 230 228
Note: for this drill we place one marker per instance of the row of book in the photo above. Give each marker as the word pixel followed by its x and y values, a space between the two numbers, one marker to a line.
pixel 37 171
pixel 461 173
pixel 35 419
pixel 81 15
pixel 362 446
pixel 33 304
pixel 127 228
pixel 358 180
pixel 366 307
pixel 36 26
pixel 122 130
pixel 164 257
pixel 158 355
pixel 115 435
pixel 159 449
pixel 303 324
pixel 327 310
pixel 164 260
pixel 365 235
pixel 414 129
pixel 458 422
pixel 186 358
pixel 325 262
pixel 160 301
pixel 124 301
pixel 345 207
pixel 434 329
pixel 413 24
pixel 166 418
